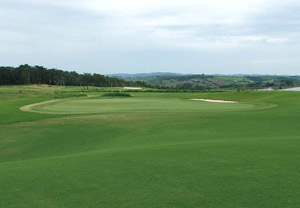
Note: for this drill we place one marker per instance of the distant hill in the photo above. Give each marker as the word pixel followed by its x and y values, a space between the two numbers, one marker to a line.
pixel 139 75
pixel 216 81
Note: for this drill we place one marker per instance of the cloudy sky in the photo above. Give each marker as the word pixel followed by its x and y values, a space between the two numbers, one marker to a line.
pixel 130 36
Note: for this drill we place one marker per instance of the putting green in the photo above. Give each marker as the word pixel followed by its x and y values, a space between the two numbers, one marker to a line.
pixel 112 105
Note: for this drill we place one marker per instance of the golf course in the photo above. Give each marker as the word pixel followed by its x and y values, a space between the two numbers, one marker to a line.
pixel 115 147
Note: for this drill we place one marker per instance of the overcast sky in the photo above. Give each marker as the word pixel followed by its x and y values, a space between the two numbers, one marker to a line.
pixel 133 36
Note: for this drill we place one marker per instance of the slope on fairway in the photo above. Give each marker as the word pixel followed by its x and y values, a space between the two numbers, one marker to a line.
pixel 188 156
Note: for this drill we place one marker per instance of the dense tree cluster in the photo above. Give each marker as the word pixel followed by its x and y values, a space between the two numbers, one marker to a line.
pixel 25 74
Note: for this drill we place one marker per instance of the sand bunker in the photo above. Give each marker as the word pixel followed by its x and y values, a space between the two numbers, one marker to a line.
pixel 292 89
pixel 133 88
pixel 215 101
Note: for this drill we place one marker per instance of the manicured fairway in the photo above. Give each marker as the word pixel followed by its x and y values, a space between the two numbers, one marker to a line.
pixel 150 150
pixel 139 104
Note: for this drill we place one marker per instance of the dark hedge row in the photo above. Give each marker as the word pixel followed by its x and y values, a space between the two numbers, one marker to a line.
pixel 26 74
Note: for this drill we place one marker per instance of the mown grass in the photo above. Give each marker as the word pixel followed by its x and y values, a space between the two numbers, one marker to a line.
pixel 137 104
pixel 180 158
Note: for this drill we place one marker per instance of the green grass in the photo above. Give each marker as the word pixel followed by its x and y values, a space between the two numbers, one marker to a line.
pixel 150 150
pixel 138 104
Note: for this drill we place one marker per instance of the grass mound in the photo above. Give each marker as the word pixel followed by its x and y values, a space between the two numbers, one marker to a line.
pixel 116 94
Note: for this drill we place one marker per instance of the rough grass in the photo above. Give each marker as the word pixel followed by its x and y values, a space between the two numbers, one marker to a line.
pixel 180 158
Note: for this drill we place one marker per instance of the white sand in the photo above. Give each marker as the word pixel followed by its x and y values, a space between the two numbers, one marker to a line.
pixel 215 101
pixel 133 88
pixel 292 89
pixel 266 89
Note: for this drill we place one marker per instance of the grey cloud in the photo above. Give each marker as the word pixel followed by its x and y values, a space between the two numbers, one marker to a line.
pixel 279 21
pixel 88 41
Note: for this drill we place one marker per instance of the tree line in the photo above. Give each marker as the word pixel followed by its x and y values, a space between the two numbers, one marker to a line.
pixel 26 74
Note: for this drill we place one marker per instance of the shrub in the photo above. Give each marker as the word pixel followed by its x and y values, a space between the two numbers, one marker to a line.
pixel 118 94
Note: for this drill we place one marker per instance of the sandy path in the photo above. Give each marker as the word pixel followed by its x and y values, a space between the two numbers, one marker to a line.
pixel 133 88
pixel 215 101
pixel 45 86
pixel 27 108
